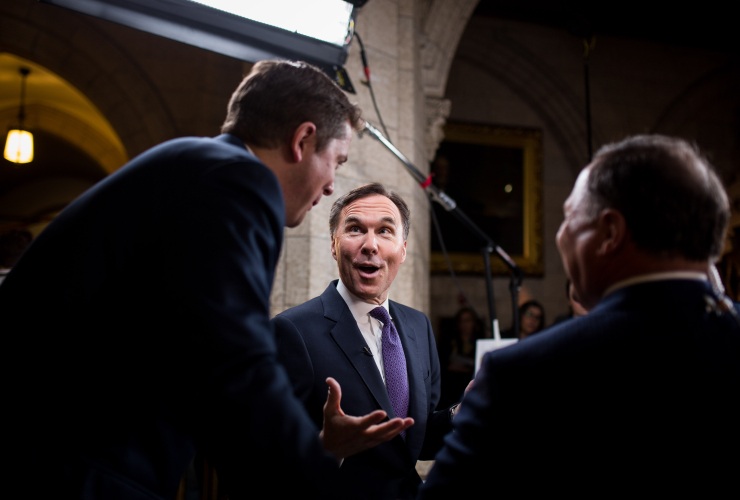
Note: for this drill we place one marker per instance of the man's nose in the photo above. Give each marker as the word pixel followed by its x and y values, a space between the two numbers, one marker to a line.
pixel 328 190
pixel 370 243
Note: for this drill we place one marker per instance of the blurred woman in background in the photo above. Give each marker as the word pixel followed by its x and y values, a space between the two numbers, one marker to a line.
pixel 531 318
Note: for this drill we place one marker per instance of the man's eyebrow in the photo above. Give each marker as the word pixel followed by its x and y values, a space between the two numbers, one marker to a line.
pixel 351 219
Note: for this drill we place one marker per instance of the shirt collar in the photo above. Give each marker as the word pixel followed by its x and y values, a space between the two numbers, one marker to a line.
pixel 645 278
pixel 358 307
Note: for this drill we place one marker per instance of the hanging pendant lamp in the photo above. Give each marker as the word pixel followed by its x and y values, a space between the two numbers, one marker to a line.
pixel 19 144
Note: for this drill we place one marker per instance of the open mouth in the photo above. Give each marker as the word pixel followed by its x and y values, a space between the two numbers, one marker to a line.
pixel 368 270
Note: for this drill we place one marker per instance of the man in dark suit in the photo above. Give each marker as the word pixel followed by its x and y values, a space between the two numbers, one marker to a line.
pixel 138 320
pixel 382 353
pixel 640 395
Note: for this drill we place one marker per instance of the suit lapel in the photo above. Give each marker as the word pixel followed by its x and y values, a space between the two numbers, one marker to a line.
pixel 406 328
pixel 348 337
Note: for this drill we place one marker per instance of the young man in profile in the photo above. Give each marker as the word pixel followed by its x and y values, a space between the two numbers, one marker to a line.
pixel 138 320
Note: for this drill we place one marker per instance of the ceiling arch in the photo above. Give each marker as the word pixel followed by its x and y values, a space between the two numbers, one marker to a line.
pixel 707 112
pixel 444 24
pixel 73 47
pixel 55 106
pixel 527 75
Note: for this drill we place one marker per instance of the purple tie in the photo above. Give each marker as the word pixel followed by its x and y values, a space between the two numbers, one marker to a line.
pixel 394 364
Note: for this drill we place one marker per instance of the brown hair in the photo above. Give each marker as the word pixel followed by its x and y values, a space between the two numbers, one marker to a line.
pixel 364 192
pixel 277 96
pixel 671 198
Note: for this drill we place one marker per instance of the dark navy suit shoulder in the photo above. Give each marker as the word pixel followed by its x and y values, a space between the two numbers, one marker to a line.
pixel 155 288
pixel 629 395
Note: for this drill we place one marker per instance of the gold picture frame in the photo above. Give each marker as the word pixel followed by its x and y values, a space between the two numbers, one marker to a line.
pixel 529 141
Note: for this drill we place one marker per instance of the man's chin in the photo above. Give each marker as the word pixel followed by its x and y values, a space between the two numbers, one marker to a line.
pixel 296 220
pixel 368 293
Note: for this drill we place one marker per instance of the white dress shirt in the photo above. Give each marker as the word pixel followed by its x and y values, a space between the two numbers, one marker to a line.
pixel 371 328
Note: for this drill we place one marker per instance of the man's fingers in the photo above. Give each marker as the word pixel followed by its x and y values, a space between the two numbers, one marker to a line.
pixel 371 419
pixel 334 398
pixel 389 430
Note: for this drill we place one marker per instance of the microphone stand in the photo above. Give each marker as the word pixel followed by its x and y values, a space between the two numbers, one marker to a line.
pixel 488 245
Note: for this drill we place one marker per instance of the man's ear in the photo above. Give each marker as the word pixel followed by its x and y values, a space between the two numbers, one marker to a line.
pixel 333 249
pixel 403 257
pixel 304 138
pixel 612 230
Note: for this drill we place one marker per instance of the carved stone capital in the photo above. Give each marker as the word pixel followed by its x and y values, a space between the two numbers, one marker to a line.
pixel 436 111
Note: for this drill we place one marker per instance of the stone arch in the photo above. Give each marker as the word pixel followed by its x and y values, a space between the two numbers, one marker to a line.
pixel 708 113
pixel 526 75
pixel 716 85
pixel 522 71
pixel 73 47
pixel 443 24
pixel 443 27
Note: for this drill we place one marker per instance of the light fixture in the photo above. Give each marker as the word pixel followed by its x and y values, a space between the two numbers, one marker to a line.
pixel 19 144
pixel 318 32
pixel 326 20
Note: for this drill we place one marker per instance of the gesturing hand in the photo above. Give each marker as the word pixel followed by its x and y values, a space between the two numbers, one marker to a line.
pixel 344 435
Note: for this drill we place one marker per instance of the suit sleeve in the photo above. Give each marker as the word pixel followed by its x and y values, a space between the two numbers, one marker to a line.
pixel 438 423
pixel 255 430
pixel 294 357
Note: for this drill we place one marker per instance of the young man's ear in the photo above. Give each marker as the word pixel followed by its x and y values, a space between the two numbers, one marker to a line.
pixel 304 139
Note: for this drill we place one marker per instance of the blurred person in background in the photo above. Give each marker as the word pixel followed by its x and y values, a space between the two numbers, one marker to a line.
pixel 531 321
pixel 12 245
pixel 459 362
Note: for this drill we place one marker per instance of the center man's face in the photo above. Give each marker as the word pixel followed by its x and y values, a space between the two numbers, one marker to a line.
pixel 369 246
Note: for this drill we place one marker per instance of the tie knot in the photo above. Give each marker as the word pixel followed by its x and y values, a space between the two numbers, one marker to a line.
pixel 381 314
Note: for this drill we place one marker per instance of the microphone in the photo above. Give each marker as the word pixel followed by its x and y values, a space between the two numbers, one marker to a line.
pixel 366 350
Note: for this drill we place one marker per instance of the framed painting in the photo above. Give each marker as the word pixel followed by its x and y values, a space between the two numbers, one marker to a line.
pixel 495 176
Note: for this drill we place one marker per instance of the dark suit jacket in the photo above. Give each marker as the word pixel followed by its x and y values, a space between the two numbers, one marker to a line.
pixel 640 395
pixel 320 339
pixel 138 327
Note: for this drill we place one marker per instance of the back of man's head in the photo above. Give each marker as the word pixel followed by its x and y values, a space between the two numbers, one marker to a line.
pixel 277 96
pixel 672 200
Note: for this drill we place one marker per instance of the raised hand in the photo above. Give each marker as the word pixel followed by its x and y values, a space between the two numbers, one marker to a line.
pixel 344 435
